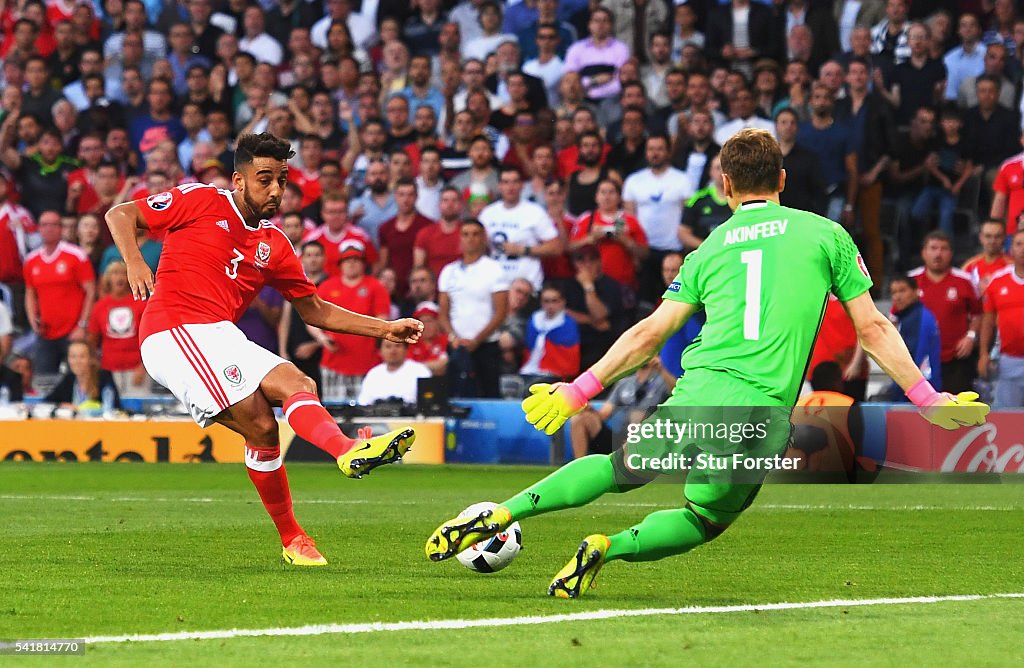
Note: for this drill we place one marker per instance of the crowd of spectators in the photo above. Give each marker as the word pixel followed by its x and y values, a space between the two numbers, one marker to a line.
pixel 522 176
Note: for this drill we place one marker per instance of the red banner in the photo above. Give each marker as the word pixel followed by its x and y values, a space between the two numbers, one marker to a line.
pixel 994 447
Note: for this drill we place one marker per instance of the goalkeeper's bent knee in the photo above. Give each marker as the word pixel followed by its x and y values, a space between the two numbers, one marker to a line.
pixel 712 530
pixel 625 479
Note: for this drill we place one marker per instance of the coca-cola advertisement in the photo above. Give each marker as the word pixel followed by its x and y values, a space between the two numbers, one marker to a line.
pixel 994 447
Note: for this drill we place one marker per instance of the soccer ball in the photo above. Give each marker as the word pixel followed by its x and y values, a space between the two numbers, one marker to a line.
pixel 495 553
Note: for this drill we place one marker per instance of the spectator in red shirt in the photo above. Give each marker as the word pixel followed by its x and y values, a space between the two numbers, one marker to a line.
pixel 347 357
pixel 523 141
pixel 106 186
pixel 952 298
pixel 21 42
pixel 1004 311
pixel 291 202
pixel 60 287
pixel 336 230
pixel 583 121
pixel 438 244
pixel 991 258
pixel 17 232
pixel 432 348
pixel 1008 198
pixel 307 177
pixel 558 267
pixel 617 235
pixel 398 235
pixel 114 331
pixel 82 182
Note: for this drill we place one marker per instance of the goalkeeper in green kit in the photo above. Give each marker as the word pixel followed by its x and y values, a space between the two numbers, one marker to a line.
pixel 763 278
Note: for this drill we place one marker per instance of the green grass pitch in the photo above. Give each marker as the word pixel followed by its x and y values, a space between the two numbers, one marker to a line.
pixel 120 549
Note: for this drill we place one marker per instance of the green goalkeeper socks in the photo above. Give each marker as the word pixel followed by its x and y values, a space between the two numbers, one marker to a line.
pixel 661 534
pixel 577 483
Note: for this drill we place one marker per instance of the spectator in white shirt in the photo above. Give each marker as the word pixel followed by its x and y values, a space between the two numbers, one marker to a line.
pixel 363 32
pixel 520 231
pixel 743 108
pixel 490 36
pixel 547 66
pixel 394 378
pixel 473 304
pixel 154 43
pixel 256 41
pixel 656 196
pixel 429 182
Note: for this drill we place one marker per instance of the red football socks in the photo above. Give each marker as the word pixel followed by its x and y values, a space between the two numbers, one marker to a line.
pixel 268 475
pixel 310 420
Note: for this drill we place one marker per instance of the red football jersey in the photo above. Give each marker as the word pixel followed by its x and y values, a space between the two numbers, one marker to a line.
pixel 89 197
pixel 355 355
pixel 308 182
pixel 399 244
pixel 428 350
pixel 57 279
pixel 837 339
pixel 616 260
pixel 981 270
pixel 332 245
pixel 1005 297
pixel 953 301
pixel 560 266
pixel 568 159
pixel 1010 182
pixel 15 225
pixel 213 263
pixel 441 248
pixel 116 320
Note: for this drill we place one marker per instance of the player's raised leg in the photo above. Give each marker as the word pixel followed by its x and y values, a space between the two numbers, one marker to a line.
pixel 253 418
pixel 296 393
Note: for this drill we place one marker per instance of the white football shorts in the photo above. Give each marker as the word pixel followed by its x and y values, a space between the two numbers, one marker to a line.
pixel 207 367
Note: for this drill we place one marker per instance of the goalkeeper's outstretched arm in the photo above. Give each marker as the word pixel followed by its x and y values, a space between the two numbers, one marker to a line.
pixel 884 344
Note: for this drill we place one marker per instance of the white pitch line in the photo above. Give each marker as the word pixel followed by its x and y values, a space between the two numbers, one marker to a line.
pixel 345 502
pixel 454 624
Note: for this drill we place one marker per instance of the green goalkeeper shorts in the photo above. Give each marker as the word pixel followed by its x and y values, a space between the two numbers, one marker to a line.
pixel 726 435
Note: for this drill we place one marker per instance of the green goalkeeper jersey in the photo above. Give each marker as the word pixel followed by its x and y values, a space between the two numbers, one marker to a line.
pixel 763 278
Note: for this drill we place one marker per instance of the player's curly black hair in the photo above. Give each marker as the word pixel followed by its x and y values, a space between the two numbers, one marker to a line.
pixel 263 145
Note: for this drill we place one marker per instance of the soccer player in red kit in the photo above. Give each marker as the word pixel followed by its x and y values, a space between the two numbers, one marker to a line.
pixel 952 297
pixel 219 251
pixel 991 259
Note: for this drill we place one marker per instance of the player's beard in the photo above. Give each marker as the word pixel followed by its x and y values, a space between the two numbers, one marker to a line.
pixel 262 212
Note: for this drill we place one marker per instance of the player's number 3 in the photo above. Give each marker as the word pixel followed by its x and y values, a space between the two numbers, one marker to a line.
pixel 232 271
pixel 752 298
